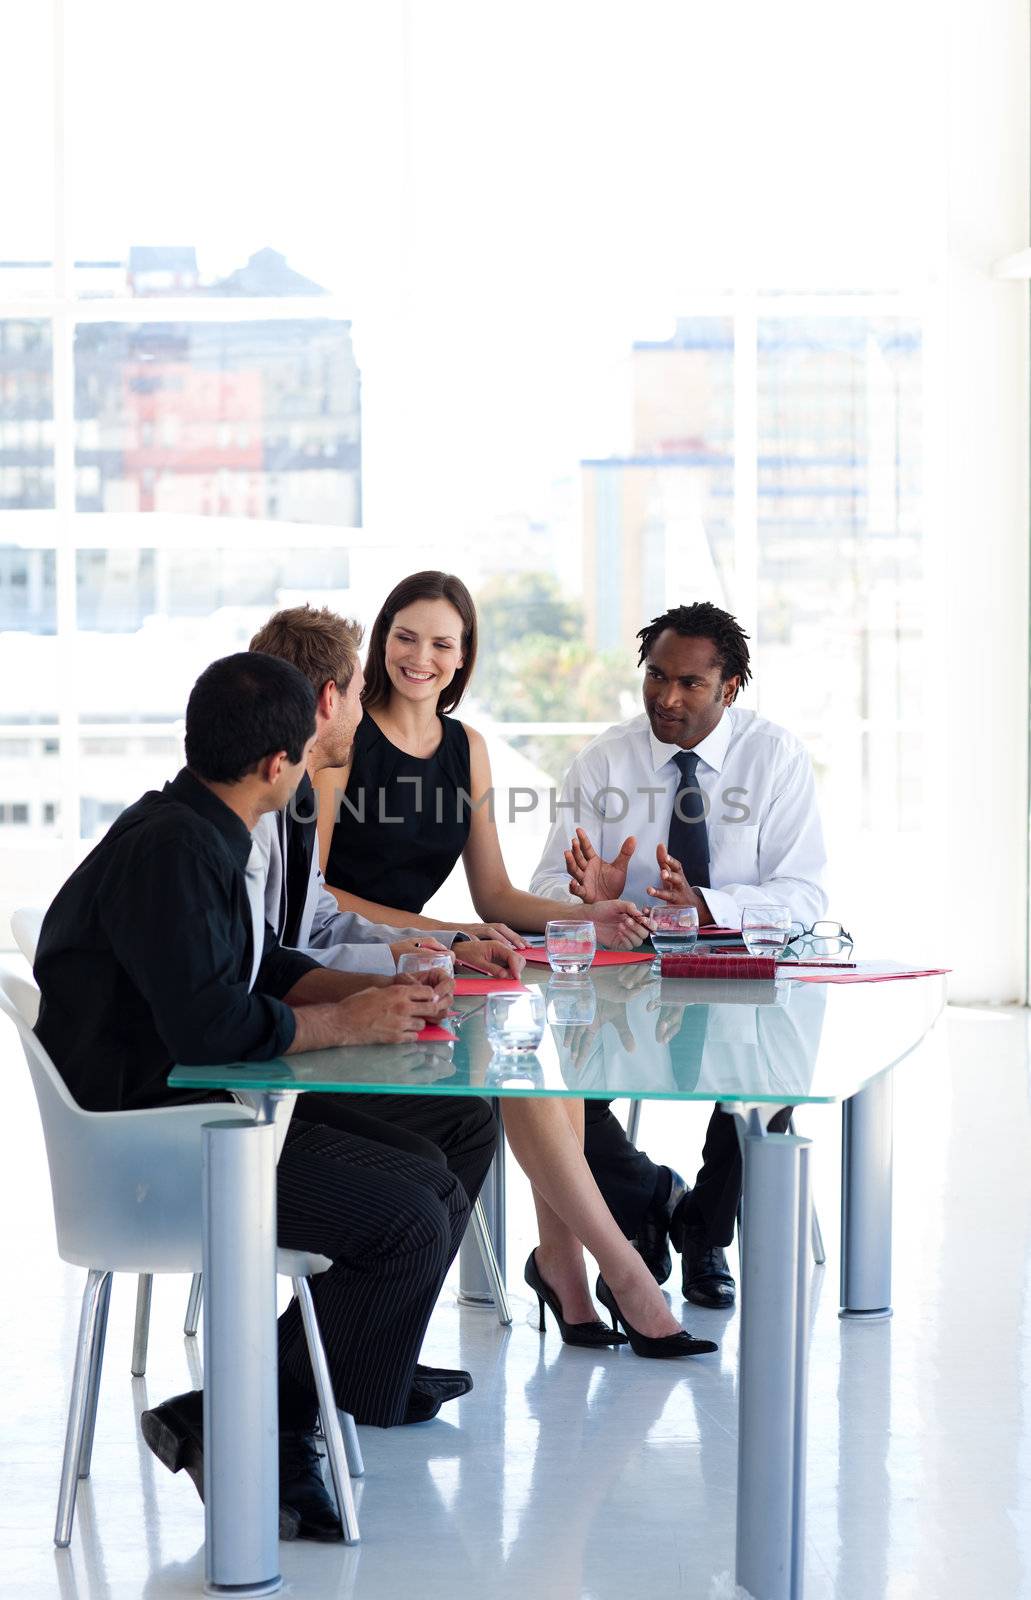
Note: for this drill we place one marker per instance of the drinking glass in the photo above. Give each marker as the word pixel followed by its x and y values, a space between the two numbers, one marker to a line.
pixel 765 929
pixel 514 1072
pixel 571 1005
pixel 514 1022
pixel 674 931
pixel 415 962
pixel 570 946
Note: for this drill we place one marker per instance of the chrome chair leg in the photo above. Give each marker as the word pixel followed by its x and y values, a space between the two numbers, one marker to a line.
pixel 815 1231
pixel 193 1305
pixel 328 1410
pixel 352 1448
pixel 490 1264
pixel 633 1120
pixel 352 1445
pixel 88 1319
pixel 819 1253
pixel 93 1387
pixel 141 1332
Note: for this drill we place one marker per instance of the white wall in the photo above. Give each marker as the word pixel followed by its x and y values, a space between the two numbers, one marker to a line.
pixel 980 707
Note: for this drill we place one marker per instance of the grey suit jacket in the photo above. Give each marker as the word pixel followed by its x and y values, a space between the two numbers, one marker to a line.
pixel 340 939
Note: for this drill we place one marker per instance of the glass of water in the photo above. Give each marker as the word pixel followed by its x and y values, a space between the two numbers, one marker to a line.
pixel 765 929
pixel 514 1022
pixel 674 931
pixel 415 962
pixel 570 946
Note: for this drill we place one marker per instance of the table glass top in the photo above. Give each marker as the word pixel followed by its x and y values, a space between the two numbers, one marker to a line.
pixel 626 1032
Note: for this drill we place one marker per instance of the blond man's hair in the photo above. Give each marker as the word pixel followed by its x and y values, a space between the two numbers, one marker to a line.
pixel 318 643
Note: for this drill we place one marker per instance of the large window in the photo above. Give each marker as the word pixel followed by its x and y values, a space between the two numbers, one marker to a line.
pixel 604 310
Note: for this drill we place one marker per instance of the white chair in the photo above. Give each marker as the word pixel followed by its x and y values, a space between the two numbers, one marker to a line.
pixel 26 923
pixel 126 1189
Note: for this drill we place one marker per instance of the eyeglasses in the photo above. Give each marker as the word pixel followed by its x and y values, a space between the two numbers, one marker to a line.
pixel 820 938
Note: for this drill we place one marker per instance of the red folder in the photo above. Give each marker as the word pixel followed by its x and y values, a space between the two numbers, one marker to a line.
pixel 489 986
pixel 602 958
pixel 863 977
pixel 431 1033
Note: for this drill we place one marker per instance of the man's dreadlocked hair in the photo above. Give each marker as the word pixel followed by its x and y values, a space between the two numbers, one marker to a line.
pixel 704 621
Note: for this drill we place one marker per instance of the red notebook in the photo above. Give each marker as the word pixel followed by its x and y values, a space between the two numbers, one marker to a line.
pixel 490 986
pixel 431 1033
pixel 602 958
pixel 864 977
pixel 712 966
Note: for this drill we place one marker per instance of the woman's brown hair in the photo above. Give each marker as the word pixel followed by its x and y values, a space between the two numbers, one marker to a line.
pixel 421 586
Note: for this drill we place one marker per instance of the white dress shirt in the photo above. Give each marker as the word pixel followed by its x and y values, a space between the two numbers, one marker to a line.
pixel 340 939
pixel 765 840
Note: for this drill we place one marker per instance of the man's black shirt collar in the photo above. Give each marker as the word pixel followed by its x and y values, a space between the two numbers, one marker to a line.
pixel 189 790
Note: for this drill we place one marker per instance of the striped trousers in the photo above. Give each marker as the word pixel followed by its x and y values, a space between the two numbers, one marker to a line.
pixel 390 1215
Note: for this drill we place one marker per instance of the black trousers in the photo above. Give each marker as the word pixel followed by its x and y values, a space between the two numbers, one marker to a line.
pixel 387 1198
pixel 459 1131
pixel 627 1177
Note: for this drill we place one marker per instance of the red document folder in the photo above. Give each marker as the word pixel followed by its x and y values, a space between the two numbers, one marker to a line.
pixel 431 1033
pixel 489 986
pixel 863 977
pixel 602 958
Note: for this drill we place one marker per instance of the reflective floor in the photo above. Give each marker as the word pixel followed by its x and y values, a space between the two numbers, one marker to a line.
pixel 568 1475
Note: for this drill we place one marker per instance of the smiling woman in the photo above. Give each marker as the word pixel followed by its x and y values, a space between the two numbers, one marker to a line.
pixel 417 794
pixel 425 634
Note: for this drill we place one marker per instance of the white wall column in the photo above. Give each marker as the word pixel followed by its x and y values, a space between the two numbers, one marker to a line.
pixel 980 705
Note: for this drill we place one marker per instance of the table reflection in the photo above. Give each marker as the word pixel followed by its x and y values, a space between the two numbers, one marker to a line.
pixel 665 1036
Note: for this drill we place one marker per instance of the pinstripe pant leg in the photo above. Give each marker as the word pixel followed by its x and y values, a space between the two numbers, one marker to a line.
pixel 460 1129
pixel 391 1224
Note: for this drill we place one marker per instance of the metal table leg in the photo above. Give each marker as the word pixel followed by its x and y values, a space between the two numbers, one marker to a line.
pixel 474 1285
pixel 866 1154
pixel 773 1379
pixel 241 1429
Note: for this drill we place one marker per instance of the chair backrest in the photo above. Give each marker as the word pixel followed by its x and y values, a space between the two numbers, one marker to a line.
pixel 25 925
pixel 126 1184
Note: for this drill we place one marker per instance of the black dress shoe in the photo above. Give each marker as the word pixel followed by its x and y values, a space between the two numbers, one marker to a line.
pixel 175 1433
pixel 652 1242
pixel 706 1280
pixel 447 1375
pixel 302 1489
pixel 431 1388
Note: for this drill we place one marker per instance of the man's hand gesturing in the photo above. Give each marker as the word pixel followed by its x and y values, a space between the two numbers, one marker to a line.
pixel 591 878
pixel 674 888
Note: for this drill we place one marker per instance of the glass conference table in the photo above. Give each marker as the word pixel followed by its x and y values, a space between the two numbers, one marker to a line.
pixel 753 1047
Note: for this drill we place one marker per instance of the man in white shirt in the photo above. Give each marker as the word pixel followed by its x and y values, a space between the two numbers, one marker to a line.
pixel 695 802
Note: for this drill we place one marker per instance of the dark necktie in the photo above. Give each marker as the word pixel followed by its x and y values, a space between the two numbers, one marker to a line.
pixel 688 836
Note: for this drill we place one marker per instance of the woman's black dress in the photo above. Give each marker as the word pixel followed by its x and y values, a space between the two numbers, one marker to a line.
pixel 404 820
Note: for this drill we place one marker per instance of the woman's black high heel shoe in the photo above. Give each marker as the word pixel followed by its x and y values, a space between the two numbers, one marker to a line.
pixel 592 1334
pixel 671 1344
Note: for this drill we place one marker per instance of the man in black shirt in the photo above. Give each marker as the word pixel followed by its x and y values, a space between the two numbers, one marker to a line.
pixel 155 951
